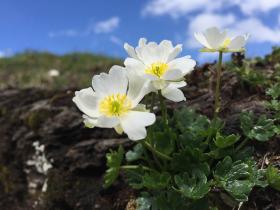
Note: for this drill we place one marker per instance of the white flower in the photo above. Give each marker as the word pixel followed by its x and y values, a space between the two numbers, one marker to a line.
pixel 111 104
pixel 158 64
pixel 214 40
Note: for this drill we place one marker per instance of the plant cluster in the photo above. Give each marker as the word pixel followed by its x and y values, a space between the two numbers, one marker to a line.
pixel 183 160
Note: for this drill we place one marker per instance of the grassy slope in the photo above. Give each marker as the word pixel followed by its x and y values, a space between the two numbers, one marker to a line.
pixel 31 69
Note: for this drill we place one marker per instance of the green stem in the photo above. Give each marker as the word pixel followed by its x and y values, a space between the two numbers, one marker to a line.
pixel 152 102
pixel 242 144
pixel 163 107
pixel 217 105
pixel 129 167
pixel 154 156
pixel 159 154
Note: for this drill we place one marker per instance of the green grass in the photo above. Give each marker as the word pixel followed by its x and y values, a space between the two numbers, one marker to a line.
pixel 30 69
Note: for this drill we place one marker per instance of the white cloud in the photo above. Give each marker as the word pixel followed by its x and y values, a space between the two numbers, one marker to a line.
pixel 251 6
pixel 116 40
pixel 176 8
pixel 107 26
pixel 259 32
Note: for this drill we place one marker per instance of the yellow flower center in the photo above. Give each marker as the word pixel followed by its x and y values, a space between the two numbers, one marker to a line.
pixel 115 105
pixel 226 43
pixel 158 69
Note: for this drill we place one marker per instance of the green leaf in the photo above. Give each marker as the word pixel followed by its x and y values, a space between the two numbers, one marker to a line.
pixel 243 154
pixel 114 161
pixel 135 178
pixel 187 119
pixel 155 180
pixel 273 177
pixel 135 154
pixel 220 153
pixel 192 186
pixel 263 130
pixel 225 141
pixel 169 200
pixel 274 91
pixel 163 141
pixel 190 159
pixel 238 178
pixel 144 202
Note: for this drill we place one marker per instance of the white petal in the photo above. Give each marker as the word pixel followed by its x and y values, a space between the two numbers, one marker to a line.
pixel 177 84
pixel 107 122
pixel 134 65
pixel 165 48
pixel 139 86
pixel 142 42
pixel 201 38
pixel 87 102
pixel 237 43
pixel 149 53
pixel 173 74
pixel 184 64
pixel 214 37
pixel 89 122
pixel 119 129
pixel 114 82
pixel 173 94
pixel 130 50
pixel 176 51
pixel 134 124
pixel 160 84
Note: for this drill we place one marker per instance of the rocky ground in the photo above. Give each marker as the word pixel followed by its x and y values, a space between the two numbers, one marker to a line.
pixel 66 172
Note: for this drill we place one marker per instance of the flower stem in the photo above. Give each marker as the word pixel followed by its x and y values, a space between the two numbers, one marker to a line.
pixel 153 150
pixel 128 167
pixel 242 144
pixel 163 108
pixel 152 102
pixel 217 105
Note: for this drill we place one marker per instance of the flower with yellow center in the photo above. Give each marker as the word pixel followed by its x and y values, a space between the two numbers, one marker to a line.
pixel 214 40
pixel 115 105
pixel 158 64
pixel 110 103
pixel 157 69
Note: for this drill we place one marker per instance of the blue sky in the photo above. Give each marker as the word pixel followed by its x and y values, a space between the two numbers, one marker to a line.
pixel 102 26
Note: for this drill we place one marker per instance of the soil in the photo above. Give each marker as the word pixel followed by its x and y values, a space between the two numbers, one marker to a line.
pixel 77 154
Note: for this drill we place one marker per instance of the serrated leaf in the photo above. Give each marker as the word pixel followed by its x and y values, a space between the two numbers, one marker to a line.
pixel 114 161
pixel 273 177
pixel 163 141
pixel 187 119
pixel 190 159
pixel 169 200
pixel 262 130
pixel 154 180
pixel 238 178
pixel 220 153
pixel 135 154
pixel 135 178
pixel 225 141
pixel 192 186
